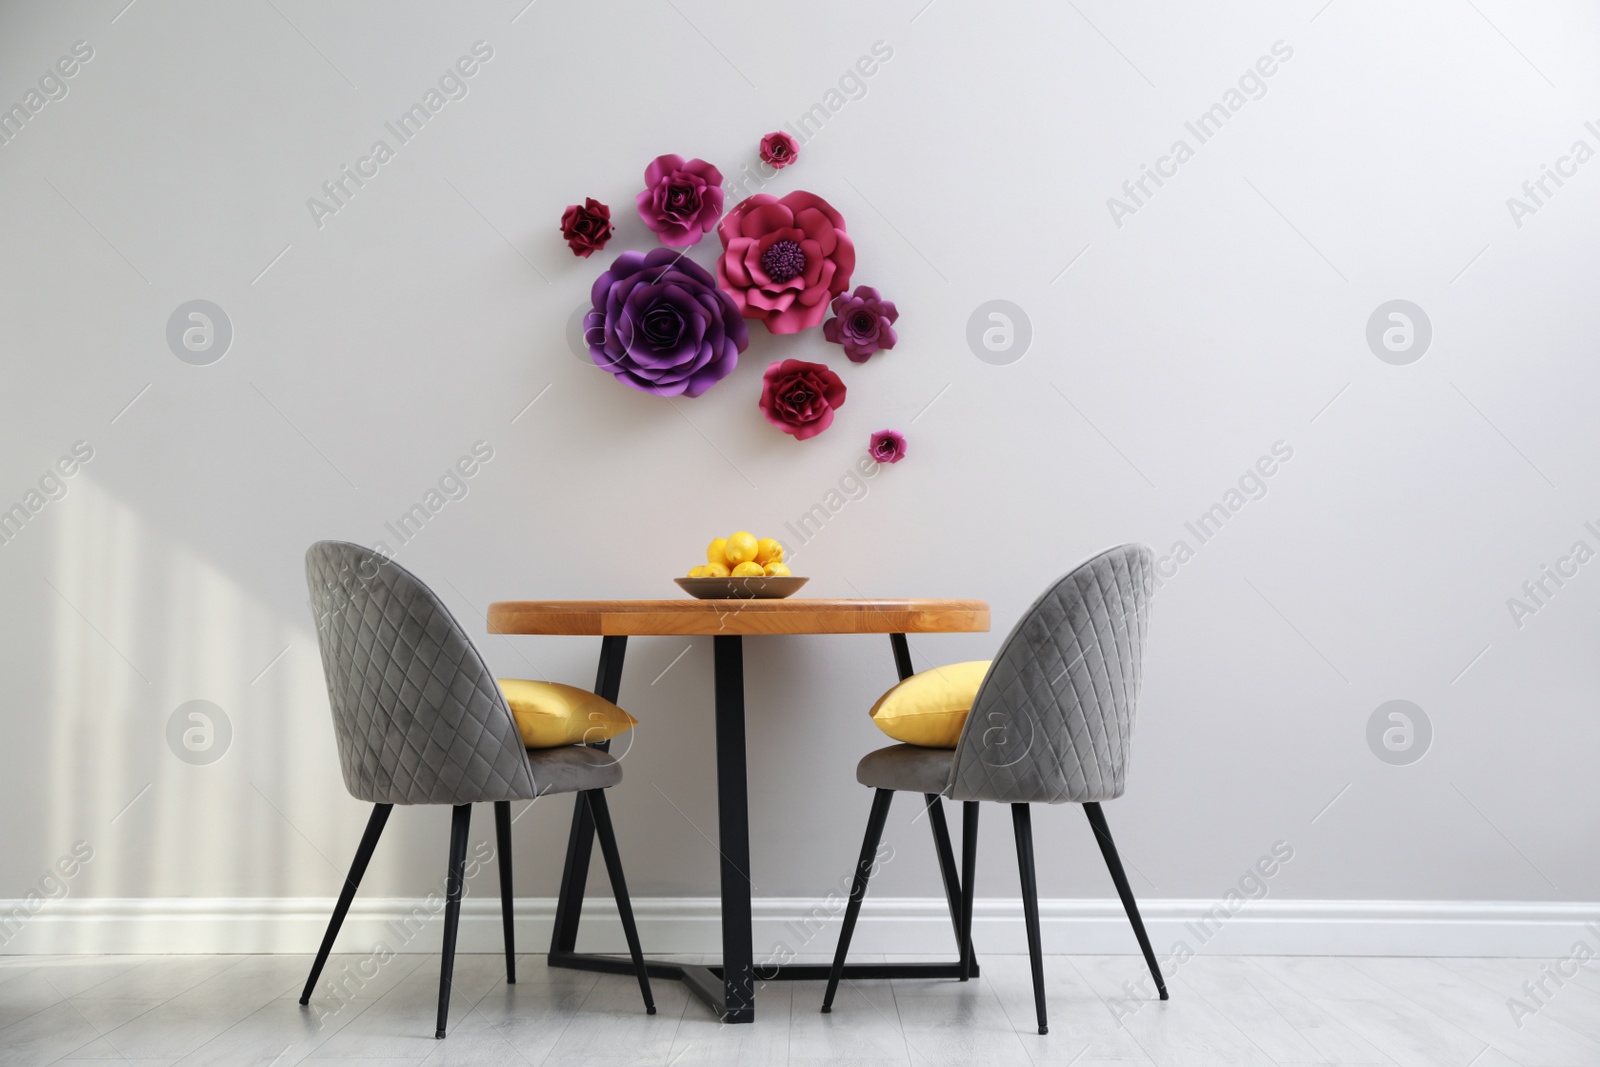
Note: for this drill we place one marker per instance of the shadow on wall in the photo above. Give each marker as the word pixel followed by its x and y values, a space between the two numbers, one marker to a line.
pixel 189 741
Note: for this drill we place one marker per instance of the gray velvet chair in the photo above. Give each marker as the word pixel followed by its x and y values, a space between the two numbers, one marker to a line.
pixel 419 720
pixel 1052 723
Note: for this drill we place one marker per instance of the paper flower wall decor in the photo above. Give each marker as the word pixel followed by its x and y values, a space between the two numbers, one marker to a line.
pixel 799 398
pixel 863 323
pixel 778 150
pixel 681 200
pixel 887 446
pixel 661 325
pixel 783 258
pixel 586 228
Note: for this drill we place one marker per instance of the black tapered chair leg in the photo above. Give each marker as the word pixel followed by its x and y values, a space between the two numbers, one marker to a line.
pixel 947 869
pixel 1022 823
pixel 358 867
pixel 460 820
pixel 601 813
pixel 969 874
pixel 1108 849
pixel 858 888
pixel 502 844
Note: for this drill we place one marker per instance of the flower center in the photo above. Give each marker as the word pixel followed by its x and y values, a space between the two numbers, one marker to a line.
pixel 862 323
pixel 682 198
pixel 783 260
pixel 662 326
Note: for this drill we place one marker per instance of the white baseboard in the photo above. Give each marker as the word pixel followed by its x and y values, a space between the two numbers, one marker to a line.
pixel 903 925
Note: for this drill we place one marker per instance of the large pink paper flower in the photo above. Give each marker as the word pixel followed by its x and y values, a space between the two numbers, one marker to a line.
pixel 799 397
pixel 681 200
pixel 782 259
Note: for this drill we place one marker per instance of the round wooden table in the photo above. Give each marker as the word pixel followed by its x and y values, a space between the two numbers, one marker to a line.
pixel 730 988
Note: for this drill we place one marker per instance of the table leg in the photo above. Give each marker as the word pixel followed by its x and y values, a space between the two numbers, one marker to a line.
pixel 733 834
pixel 729 988
pixel 580 840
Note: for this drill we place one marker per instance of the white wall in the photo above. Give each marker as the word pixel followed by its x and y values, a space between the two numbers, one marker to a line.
pixel 1227 313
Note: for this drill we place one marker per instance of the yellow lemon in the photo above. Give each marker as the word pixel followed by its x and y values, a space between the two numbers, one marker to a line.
pixel 777 570
pixel 716 570
pixel 768 550
pixel 748 569
pixel 699 572
pixel 714 551
pixel 740 548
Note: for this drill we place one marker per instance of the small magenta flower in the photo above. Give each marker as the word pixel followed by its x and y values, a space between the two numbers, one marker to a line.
pixel 887 446
pixel 863 323
pixel 778 150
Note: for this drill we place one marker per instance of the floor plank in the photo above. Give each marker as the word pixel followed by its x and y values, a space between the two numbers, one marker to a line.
pixel 1401 1029
pixel 226 1011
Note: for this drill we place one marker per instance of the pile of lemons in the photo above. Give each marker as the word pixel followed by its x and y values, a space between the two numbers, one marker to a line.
pixel 742 555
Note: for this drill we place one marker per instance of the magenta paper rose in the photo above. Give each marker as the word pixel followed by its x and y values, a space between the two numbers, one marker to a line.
pixel 783 259
pixel 887 446
pixel 863 323
pixel 778 150
pixel 681 201
pixel 661 325
pixel 799 397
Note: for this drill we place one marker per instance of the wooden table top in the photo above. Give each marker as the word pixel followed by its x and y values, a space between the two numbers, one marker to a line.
pixel 615 618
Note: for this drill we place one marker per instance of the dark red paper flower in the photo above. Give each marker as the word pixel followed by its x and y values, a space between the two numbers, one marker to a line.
pixel 586 228
pixel 799 398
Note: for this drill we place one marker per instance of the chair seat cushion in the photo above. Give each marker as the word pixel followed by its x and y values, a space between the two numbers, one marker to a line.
pixel 550 714
pixel 911 768
pixel 929 709
pixel 572 769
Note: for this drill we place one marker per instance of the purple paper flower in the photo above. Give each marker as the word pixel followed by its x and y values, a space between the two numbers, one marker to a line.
pixel 887 446
pixel 862 323
pixel 681 201
pixel 661 325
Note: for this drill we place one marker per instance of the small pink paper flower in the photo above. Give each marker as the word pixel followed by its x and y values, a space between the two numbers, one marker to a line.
pixel 887 446
pixel 778 150
pixel 681 201
pixel 862 323
pixel 587 227
pixel 799 397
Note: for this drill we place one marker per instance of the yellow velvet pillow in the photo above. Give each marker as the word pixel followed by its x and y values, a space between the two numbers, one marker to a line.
pixel 929 709
pixel 550 714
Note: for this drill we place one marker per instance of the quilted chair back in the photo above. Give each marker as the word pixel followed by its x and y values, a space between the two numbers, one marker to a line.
pixel 1053 720
pixel 416 711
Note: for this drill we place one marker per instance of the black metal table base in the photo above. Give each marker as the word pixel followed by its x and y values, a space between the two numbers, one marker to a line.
pixel 729 989
pixel 706 982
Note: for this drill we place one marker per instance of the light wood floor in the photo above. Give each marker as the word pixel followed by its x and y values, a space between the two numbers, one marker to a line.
pixel 1234 1011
